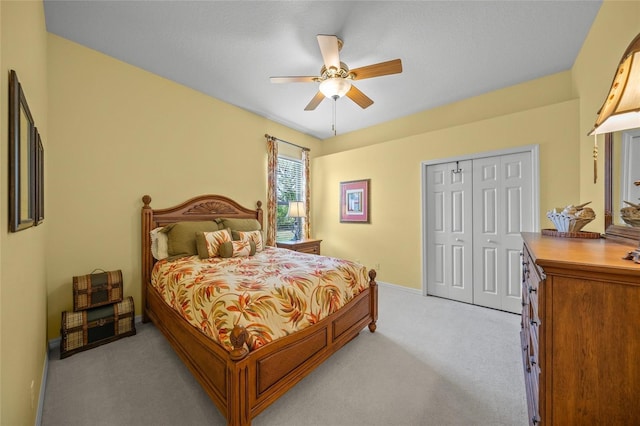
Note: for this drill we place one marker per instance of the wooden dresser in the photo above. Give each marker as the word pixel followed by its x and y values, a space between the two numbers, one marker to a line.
pixel 580 331
pixel 305 246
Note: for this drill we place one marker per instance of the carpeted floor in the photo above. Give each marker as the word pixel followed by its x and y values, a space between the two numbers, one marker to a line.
pixel 431 362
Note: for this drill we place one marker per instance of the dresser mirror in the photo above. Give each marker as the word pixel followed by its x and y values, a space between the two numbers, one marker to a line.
pixel 622 183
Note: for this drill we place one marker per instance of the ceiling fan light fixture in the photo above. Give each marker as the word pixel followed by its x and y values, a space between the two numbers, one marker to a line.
pixel 335 87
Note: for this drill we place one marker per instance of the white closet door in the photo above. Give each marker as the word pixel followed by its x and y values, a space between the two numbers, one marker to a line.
pixel 449 235
pixel 502 205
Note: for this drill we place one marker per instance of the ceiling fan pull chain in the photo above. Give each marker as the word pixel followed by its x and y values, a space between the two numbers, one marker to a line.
pixel 333 126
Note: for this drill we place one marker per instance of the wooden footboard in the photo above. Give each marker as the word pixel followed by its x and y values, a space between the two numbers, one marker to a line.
pixel 242 388
pixel 242 383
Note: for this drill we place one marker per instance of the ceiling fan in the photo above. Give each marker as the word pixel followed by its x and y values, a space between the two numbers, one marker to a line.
pixel 335 77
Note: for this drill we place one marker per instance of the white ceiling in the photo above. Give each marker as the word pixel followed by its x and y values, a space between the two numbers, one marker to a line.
pixel 450 50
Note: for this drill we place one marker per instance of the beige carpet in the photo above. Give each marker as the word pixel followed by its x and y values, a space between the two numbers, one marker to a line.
pixel 431 362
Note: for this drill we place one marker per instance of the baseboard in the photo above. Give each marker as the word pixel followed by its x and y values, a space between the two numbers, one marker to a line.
pixel 55 342
pixel 43 386
pixel 400 287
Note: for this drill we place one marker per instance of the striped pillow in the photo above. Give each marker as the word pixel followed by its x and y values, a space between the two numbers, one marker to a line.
pixel 209 242
pixel 255 236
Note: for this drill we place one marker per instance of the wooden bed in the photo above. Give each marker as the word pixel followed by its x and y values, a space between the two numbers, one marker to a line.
pixel 243 383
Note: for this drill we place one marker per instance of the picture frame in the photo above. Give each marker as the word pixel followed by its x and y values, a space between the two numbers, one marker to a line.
pixel 22 164
pixel 355 201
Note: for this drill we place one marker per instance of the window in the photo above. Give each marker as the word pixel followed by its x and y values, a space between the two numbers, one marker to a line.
pixel 290 187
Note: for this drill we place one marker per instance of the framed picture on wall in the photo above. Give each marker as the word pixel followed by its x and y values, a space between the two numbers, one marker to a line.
pixel 21 159
pixel 354 201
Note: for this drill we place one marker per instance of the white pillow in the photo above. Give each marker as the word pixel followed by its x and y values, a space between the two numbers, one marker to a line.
pixel 159 244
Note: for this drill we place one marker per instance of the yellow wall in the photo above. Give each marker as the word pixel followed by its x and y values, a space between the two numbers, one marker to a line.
pixel 393 240
pixel 556 112
pixel 557 88
pixel 23 292
pixel 617 23
pixel 118 132
pixel 113 132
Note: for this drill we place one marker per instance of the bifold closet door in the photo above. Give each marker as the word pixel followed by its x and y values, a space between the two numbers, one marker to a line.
pixel 502 194
pixel 449 239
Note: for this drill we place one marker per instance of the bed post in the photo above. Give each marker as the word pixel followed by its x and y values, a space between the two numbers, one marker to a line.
pixel 238 409
pixel 147 259
pixel 373 288
pixel 259 213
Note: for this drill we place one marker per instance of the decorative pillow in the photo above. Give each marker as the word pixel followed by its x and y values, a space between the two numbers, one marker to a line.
pixel 208 243
pixel 182 236
pixel 255 236
pixel 239 224
pixel 159 244
pixel 237 249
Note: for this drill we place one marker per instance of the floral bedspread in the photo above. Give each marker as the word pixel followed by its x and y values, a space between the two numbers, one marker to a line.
pixel 272 294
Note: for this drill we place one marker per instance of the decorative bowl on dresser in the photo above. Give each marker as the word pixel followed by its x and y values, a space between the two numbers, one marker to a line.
pixel 305 246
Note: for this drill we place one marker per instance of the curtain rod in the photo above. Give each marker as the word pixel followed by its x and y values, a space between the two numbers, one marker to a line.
pixel 290 143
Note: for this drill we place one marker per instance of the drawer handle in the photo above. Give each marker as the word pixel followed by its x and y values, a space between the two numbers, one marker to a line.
pixel 535 322
pixel 533 290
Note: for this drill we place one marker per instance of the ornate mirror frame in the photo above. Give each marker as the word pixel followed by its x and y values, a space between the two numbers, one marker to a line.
pixel 626 234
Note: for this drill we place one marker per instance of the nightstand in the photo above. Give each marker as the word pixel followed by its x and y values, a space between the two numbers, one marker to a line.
pixel 305 246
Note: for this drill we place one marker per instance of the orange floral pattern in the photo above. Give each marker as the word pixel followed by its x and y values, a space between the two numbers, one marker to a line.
pixel 272 294
pixel 255 236
pixel 241 248
pixel 214 239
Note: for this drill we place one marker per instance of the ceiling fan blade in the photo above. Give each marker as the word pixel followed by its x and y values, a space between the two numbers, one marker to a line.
pixel 358 97
pixel 314 102
pixel 376 70
pixel 294 79
pixel 329 50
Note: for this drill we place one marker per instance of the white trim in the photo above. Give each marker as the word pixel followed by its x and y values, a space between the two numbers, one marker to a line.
pixel 400 287
pixel 54 343
pixel 535 190
pixel 43 386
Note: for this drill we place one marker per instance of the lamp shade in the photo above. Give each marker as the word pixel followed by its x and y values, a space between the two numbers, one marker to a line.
pixel 335 87
pixel 621 109
pixel 296 209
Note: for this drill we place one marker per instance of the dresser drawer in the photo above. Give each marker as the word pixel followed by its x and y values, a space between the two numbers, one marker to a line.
pixel 529 335
pixel 531 379
pixel 313 249
pixel 302 246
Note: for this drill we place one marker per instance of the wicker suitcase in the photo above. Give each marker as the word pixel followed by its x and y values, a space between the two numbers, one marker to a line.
pixel 97 289
pixel 96 326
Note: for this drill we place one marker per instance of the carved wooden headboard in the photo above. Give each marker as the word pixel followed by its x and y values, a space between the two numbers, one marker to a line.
pixel 203 207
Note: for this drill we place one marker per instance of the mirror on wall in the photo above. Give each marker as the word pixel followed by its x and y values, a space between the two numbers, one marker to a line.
pixel 21 158
pixel 622 183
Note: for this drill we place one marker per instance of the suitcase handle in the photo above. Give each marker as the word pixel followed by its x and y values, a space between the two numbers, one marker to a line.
pixel 97 269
